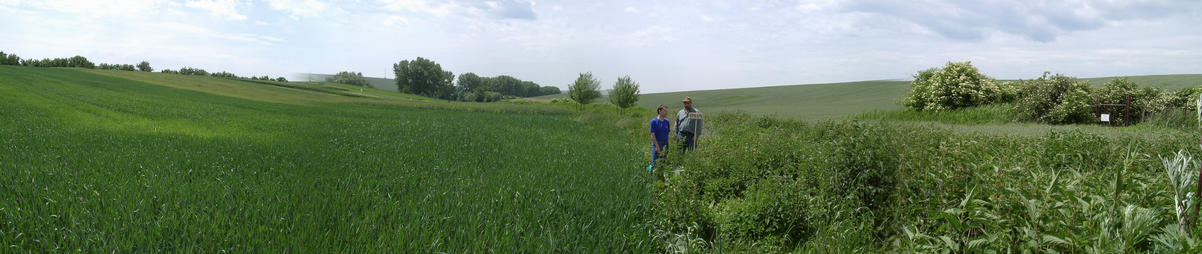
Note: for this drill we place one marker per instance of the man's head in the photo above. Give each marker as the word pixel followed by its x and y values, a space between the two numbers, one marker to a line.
pixel 688 102
pixel 662 110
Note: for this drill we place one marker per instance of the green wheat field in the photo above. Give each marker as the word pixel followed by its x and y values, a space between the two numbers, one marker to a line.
pixel 134 162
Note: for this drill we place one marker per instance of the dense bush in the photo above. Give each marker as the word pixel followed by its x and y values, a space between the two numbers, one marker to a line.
pixel 480 95
pixel 1181 99
pixel 224 75
pixel 956 85
pixel 350 78
pixel 771 185
pixel 1123 91
pixel 1055 99
pixel 193 71
pixel 773 210
pixel 116 67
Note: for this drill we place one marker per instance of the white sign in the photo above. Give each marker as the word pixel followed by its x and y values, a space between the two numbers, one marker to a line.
pixel 1106 117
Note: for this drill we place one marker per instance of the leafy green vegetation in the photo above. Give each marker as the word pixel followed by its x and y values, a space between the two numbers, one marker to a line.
pixel 765 184
pixel 118 161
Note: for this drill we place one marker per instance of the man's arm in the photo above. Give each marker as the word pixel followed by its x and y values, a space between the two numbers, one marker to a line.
pixel 655 142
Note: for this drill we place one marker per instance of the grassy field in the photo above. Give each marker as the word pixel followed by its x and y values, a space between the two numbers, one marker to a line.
pixel 117 161
pixel 836 100
pixel 1169 82
pixel 111 161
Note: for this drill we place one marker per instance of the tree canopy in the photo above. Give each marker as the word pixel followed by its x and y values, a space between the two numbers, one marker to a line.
pixel 585 89
pixel 424 77
pixel 625 92
pixel 145 66
pixel 349 78
pixel 505 85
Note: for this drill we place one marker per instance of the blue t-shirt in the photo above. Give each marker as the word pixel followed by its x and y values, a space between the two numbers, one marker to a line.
pixel 660 128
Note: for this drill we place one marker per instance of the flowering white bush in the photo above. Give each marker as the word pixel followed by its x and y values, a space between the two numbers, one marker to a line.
pixel 956 85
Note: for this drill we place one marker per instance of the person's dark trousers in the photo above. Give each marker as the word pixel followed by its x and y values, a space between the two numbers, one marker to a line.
pixel 687 142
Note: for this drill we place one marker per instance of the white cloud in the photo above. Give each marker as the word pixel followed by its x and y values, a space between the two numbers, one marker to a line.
pixel 199 31
pixel 299 8
pixel 127 9
pixel 421 6
pixel 651 36
pixel 392 20
pixel 814 5
pixel 630 9
pixel 221 8
pixel 669 46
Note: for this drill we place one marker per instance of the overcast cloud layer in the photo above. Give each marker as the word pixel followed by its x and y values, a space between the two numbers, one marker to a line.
pixel 664 45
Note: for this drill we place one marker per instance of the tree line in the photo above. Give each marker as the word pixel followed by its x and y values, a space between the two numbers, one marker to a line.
pixel 75 61
pixel 424 77
pixel 144 66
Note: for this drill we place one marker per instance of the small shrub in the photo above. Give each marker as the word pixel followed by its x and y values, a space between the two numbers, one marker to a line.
pixel 956 85
pixel 1055 99
pixel 772 213
pixel 1182 98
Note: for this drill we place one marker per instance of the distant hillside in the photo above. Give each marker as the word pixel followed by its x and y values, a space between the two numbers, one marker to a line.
pixel 379 83
pixel 837 100
pixel 817 101
pixel 1170 82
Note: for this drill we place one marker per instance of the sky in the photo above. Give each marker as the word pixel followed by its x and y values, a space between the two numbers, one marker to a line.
pixel 663 45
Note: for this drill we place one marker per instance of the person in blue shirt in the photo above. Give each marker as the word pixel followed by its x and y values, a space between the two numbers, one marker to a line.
pixel 660 127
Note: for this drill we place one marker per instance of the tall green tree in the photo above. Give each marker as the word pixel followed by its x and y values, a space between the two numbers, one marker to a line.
pixel 585 89
pixel 145 66
pixel 424 77
pixel 468 83
pixel 625 92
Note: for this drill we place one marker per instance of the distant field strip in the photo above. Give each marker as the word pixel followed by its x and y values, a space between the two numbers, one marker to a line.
pixel 837 100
